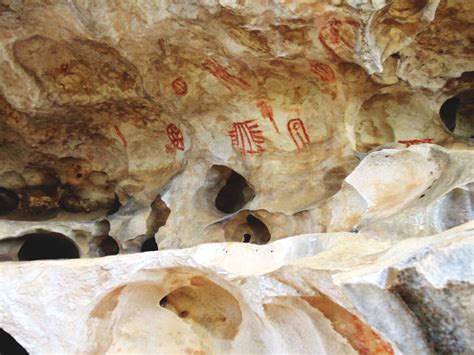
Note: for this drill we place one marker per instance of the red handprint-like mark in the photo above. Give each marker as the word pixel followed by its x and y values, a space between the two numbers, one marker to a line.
pixel 336 34
pixel 327 75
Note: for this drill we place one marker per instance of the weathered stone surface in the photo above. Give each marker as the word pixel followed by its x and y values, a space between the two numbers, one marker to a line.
pixel 132 126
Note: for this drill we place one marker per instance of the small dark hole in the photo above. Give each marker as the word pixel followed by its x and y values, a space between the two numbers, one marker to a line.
pixel 183 314
pixel 109 246
pixel 164 301
pixel 79 176
pixel 422 196
pixel 149 245
pixel 246 238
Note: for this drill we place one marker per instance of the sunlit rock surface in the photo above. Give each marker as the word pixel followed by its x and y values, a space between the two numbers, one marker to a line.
pixel 324 148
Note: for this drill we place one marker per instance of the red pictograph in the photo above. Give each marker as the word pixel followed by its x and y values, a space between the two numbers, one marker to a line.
pixel 221 74
pixel 298 133
pixel 179 86
pixel 121 136
pixel 416 141
pixel 337 33
pixel 327 75
pixel 176 138
pixel 267 113
pixel 247 137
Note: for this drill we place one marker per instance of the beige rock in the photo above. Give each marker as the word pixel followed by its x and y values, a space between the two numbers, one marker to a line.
pixel 214 131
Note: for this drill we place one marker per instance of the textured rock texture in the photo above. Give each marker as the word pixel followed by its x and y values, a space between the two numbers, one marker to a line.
pixel 335 137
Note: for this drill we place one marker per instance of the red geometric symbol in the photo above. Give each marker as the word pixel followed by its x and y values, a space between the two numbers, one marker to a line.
pixel 326 74
pixel 336 33
pixel 221 74
pixel 179 86
pixel 416 141
pixel 247 137
pixel 121 136
pixel 298 133
pixel 267 112
pixel 176 138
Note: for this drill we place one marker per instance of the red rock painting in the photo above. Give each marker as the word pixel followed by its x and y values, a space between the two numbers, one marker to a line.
pixel 337 34
pixel 298 133
pixel 121 136
pixel 179 86
pixel 247 137
pixel 225 78
pixel 176 138
pixel 267 113
pixel 416 141
pixel 327 75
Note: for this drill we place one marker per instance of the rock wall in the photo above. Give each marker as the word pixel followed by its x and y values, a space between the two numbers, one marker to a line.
pixel 298 165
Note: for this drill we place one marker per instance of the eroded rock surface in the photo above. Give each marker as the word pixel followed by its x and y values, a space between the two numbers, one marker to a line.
pixel 135 126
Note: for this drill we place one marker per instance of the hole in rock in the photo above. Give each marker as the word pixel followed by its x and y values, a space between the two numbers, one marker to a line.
pixel 149 245
pixel 157 217
pixel 261 234
pixel 164 301
pixel 457 114
pixel 9 346
pixel 40 246
pixel 9 201
pixel 109 246
pixel 205 303
pixel 235 193
pixel 247 228
pixel 115 206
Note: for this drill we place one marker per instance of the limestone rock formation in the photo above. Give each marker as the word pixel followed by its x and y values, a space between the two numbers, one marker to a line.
pixel 305 169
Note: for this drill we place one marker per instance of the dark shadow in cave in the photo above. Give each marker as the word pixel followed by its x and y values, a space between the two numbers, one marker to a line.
pixel 457 114
pixel 448 112
pixel 109 247
pixel 149 245
pixel 236 192
pixel 261 234
pixel 41 246
pixel 9 201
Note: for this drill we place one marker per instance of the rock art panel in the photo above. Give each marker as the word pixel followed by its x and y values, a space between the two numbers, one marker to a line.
pixel 241 177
